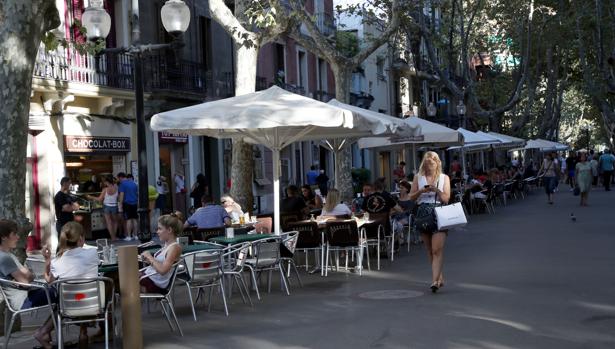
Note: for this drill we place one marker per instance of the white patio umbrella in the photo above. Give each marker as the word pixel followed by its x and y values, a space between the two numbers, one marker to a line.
pixel 507 141
pixel 274 118
pixel 474 142
pixel 417 131
pixel 545 145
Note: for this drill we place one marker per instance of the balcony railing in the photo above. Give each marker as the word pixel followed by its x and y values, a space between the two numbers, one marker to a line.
pixel 67 65
pixel 161 73
pixel 115 70
pixel 325 23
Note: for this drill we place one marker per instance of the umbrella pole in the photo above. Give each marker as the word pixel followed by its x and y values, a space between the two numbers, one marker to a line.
pixel 276 191
pixel 414 157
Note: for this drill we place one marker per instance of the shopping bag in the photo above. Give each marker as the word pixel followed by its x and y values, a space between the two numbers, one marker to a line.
pixel 450 216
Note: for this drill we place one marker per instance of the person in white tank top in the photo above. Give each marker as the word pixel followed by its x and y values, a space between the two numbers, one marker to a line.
pixel 428 187
pixel 155 278
pixel 108 197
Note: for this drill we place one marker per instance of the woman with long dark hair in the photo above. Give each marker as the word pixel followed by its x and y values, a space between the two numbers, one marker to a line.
pixel 199 188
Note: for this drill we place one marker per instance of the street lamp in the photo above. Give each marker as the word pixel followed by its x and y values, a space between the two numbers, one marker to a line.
pixel 175 16
pixel 461 111
pixel 431 110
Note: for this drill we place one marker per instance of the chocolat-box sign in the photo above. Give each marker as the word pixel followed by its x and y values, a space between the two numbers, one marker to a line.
pixel 90 144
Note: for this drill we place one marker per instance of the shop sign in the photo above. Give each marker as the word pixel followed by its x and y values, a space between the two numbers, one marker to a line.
pixel 89 144
pixel 168 137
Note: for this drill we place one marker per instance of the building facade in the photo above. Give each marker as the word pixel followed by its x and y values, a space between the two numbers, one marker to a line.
pixel 82 108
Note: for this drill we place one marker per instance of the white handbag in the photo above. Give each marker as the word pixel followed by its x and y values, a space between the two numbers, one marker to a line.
pixel 450 216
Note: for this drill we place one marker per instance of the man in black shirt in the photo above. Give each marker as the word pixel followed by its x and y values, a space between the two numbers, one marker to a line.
pixel 380 201
pixel 64 204
pixel 293 203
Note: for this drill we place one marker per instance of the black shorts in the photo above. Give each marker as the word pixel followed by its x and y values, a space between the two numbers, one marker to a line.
pixel 130 211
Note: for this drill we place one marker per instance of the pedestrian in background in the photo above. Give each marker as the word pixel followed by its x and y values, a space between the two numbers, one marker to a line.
pixel 311 175
pixel 109 198
pixel 606 162
pixel 199 188
pixel 64 204
pixel 548 171
pixel 583 174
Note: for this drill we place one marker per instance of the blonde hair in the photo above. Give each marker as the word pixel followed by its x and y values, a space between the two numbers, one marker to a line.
pixel 225 198
pixel 434 156
pixel 333 198
pixel 171 221
pixel 70 235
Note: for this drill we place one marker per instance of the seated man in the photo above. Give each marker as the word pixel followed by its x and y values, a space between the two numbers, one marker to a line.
pixel 209 215
pixel 293 202
pixel 12 269
pixel 357 203
pixel 380 201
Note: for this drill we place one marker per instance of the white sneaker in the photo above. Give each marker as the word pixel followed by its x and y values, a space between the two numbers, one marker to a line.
pixel 128 238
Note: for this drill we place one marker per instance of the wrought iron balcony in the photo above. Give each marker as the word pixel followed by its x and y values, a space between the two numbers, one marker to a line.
pixel 115 70
pixel 325 23
pixel 68 65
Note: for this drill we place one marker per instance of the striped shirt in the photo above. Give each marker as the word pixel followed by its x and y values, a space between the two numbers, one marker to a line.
pixel 209 216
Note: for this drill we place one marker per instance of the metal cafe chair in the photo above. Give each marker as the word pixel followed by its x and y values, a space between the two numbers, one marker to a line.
pixel 289 245
pixel 233 259
pixel 82 300
pixel 11 312
pixel 266 259
pixel 204 270
pixel 166 299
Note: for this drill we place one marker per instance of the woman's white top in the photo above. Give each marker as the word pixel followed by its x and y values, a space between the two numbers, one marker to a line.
pixel 160 280
pixel 338 210
pixel 110 199
pixel 77 262
pixel 430 197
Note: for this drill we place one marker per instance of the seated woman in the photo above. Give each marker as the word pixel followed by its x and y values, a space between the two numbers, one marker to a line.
pixel 231 207
pixel 12 269
pixel 72 261
pixel 333 207
pixel 155 278
pixel 407 205
pixel 312 201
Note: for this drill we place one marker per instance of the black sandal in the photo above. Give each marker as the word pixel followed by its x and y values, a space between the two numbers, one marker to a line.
pixel 434 287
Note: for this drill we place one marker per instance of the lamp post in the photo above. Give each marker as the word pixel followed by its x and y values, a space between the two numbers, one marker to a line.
pixel 461 111
pixel 431 110
pixel 175 16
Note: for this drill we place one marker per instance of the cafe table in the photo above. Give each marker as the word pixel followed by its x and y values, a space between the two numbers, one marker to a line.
pixel 239 238
pixel 109 268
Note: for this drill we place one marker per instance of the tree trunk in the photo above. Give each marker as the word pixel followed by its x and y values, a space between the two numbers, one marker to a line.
pixel 21 28
pixel 343 157
pixel 242 170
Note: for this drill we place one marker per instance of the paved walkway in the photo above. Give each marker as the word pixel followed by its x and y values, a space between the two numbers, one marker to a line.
pixel 526 277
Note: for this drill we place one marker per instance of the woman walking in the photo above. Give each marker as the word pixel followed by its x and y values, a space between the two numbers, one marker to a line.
pixel 548 170
pixel 583 174
pixel 430 188
pixel 108 197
